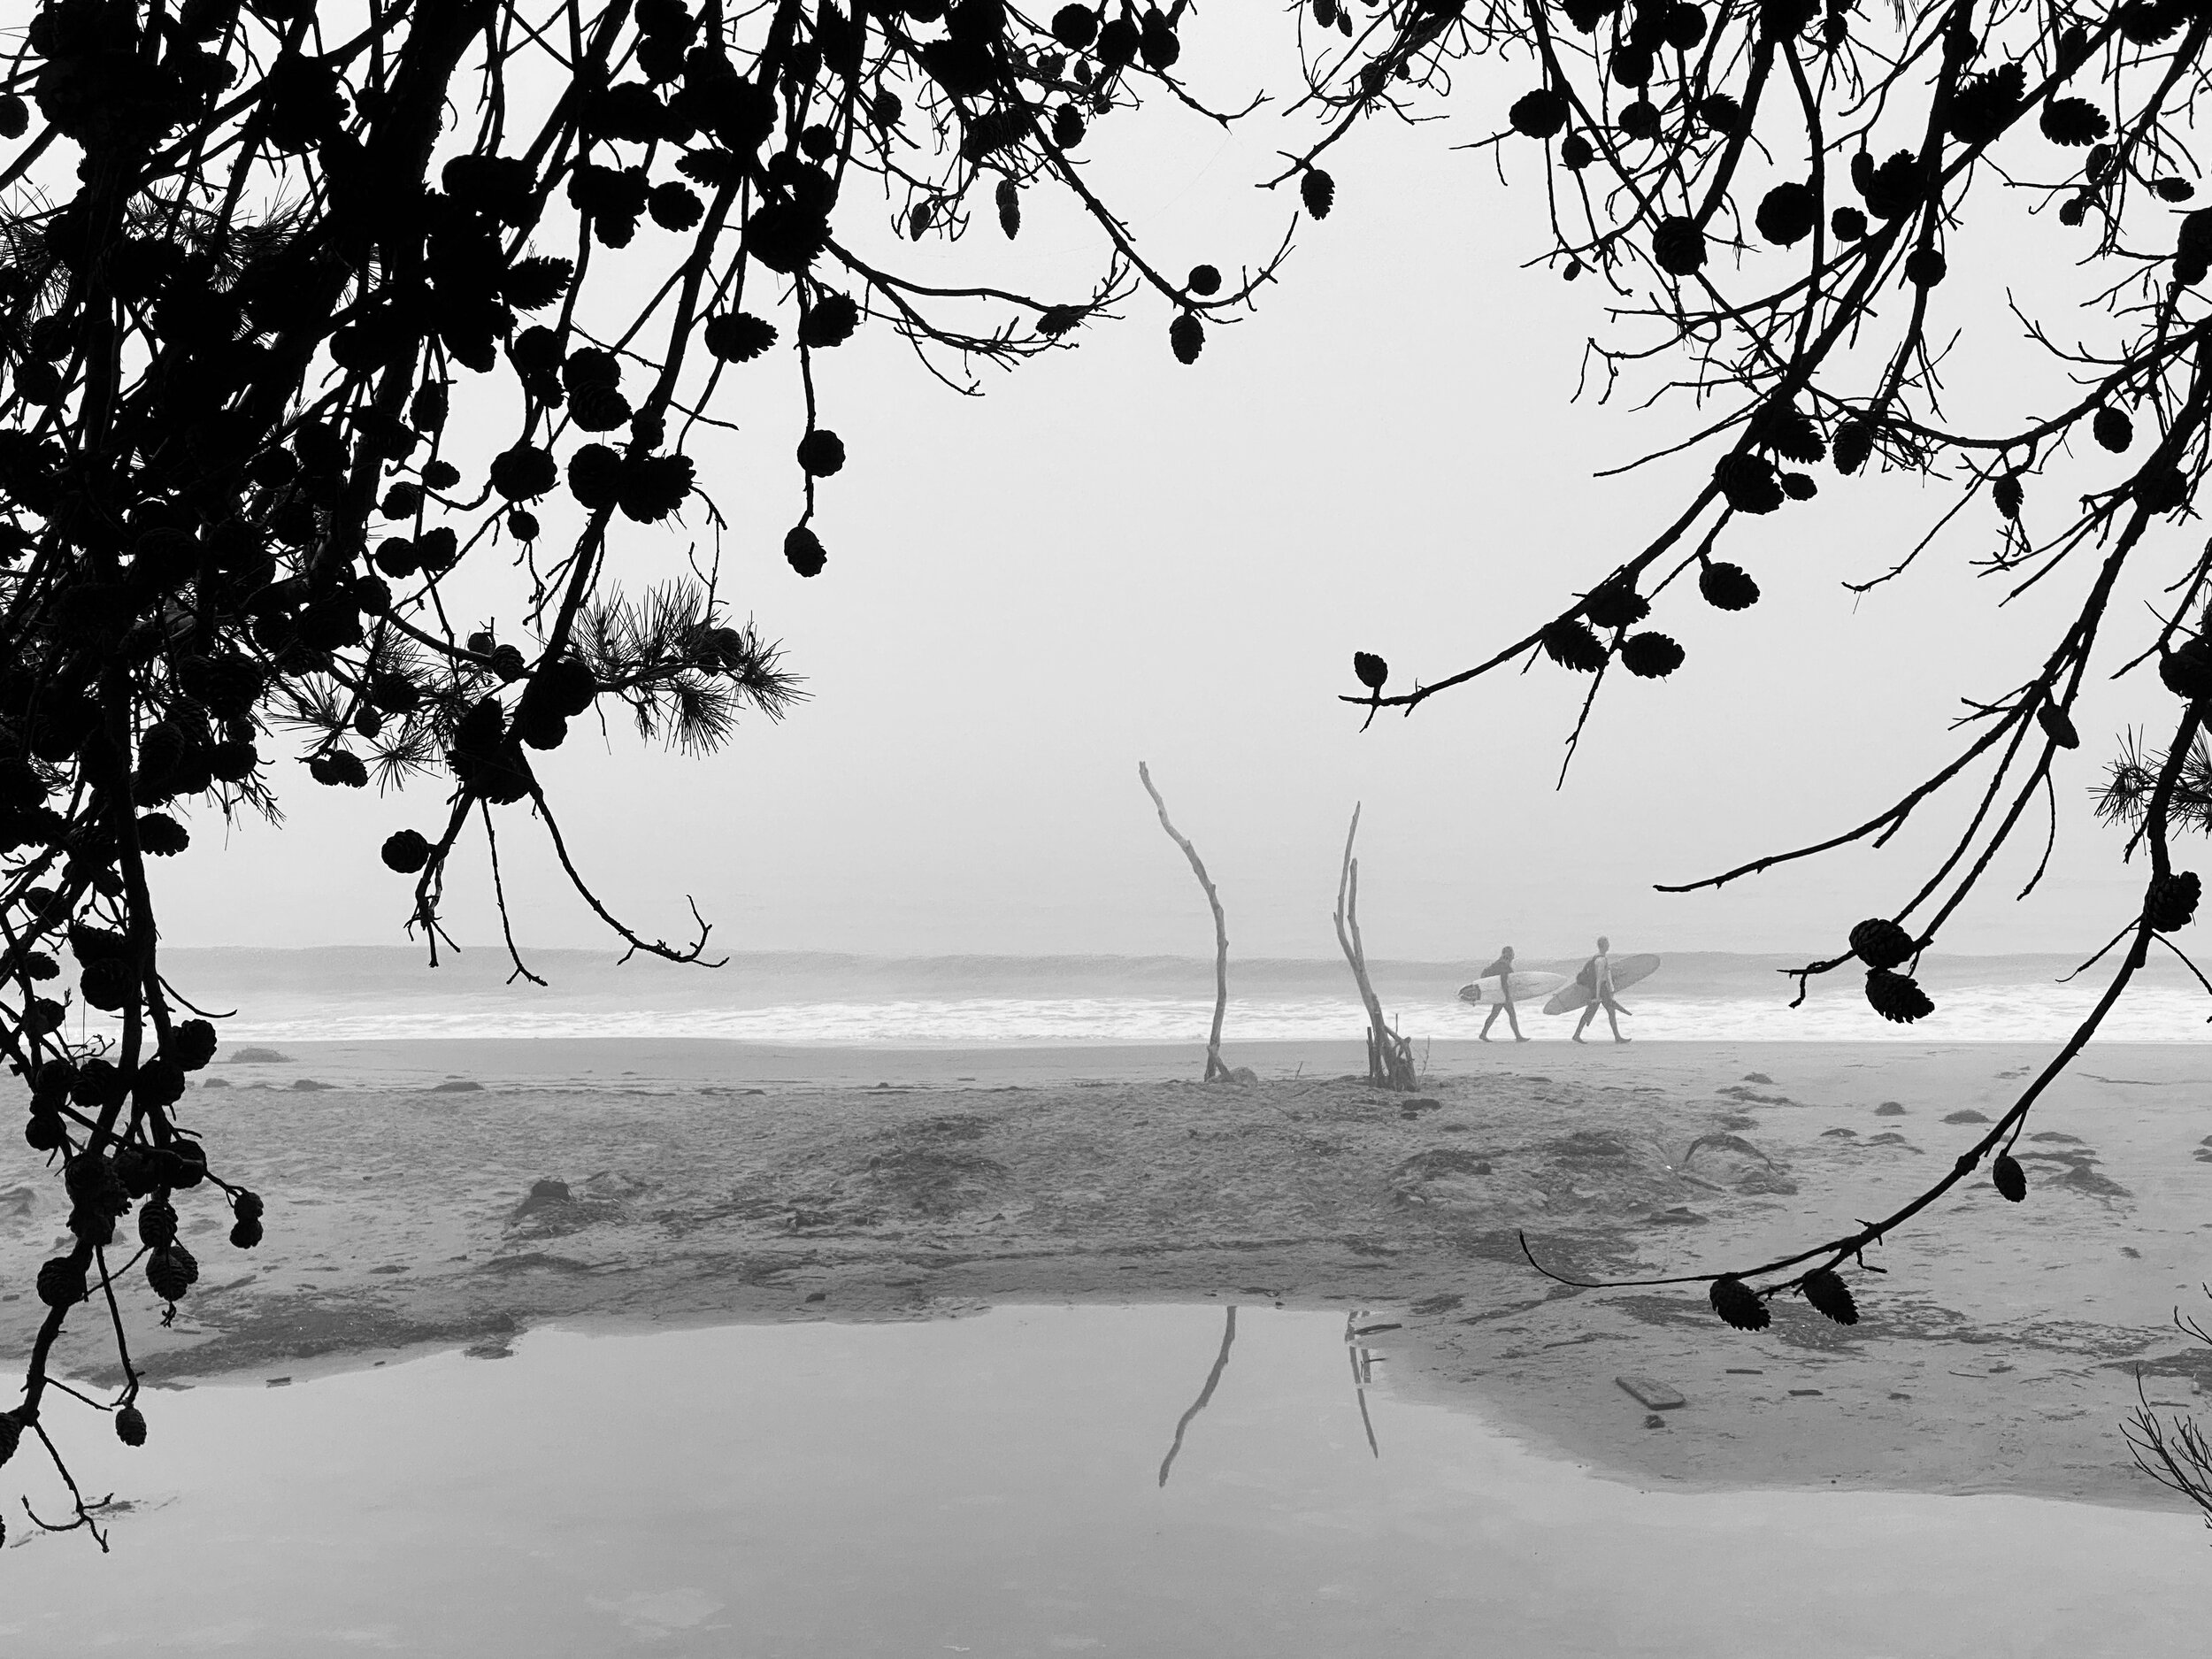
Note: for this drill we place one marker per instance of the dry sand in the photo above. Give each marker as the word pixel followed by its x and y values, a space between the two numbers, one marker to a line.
pixel 717 1182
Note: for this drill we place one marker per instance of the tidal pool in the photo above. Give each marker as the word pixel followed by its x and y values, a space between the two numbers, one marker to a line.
pixel 1144 1481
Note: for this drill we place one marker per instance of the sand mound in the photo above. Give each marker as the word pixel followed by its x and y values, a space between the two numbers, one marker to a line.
pixel 930 1168
pixel 1739 1165
pixel 551 1210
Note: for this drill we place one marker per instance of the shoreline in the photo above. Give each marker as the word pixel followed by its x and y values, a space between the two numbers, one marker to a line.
pixel 1995 1356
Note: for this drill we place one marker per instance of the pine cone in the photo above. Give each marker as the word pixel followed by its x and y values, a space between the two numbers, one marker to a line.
pixel 1572 645
pixel 1650 656
pixel 1677 244
pixel 1824 1288
pixel 130 1426
pixel 568 686
pixel 674 206
pixel 803 551
pixel 1728 586
pixel 2187 672
pixel 524 473
pixel 46 1132
pixel 1748 483
pixel 599 407
pixel 1880 943
pixel 134 1168
pixel 183 1162
pixel 1540 113
pixel 2171 902
pixel 1075 25
pixel 2009 494
pixel 156 1225
pixel 405 851
pixel 1847 223
pixel 2007 1175
pixel 1186 337
pixel 95 1227
pixel 1787 214
pixel 2161 489
pixel 107 985
pixel 2113 429
pixel 1897 997
pixel 2073 121
pixel 91 1180
pixel 785 237
pixel 1318 190
pixel 1853 443
pixel 246 1234
pixel 10 1434
pixel 1924 267
pixel 830 321
pixel 247 1204
pixel 168 1273
pixel 1740 1305
pixel 2058 725
pixel 61 1282
pixel 1615 603
pixel 1576 152
pixel 1370 669
pixel 159 1083
pixel 656 487
pixel 1719 111
pixel 161 836
pixel 595 476
pixel 1204 281
pixel 822 452
pixel 738 336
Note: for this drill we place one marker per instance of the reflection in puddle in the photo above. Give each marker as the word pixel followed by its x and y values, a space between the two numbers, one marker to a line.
pixel 994 1486
pixel 1213 1381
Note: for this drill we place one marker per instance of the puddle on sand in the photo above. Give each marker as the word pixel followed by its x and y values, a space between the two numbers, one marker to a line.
pixel 1033 1481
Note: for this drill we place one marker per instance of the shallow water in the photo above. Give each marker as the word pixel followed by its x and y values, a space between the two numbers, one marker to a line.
pixel 995 1486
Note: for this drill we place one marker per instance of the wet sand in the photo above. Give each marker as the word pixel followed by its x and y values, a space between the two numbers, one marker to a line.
pixel 713 1182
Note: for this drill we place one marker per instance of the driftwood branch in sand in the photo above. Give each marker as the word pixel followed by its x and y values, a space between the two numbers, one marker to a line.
pixel 1215 1070
pixel 1390 1055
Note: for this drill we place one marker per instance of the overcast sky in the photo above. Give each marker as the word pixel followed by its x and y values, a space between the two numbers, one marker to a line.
pixel 1112 557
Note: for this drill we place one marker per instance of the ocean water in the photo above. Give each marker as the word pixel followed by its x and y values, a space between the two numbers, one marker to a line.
pixel 359 993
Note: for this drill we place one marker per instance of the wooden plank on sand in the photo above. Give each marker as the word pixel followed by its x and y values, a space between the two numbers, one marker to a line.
pixel 1655 1396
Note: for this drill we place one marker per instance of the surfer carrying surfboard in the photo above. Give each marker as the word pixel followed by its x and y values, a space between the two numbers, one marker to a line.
pixel 1502 970
pixel 1596 977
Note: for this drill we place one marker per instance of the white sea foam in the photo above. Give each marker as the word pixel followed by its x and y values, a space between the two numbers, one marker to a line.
pixel 1969 1013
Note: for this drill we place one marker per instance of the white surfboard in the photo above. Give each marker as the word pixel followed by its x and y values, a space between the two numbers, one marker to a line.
pixel 1526 987
pixel 1627 972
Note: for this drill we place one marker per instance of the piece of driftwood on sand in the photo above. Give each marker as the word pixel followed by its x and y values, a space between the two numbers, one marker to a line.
pixel 1215 1070
pixel 1390 1055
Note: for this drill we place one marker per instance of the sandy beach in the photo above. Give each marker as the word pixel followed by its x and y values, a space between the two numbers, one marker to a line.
pixel 717 1182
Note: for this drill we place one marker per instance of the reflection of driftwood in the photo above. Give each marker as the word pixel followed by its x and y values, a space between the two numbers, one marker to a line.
pixel 1363 1373
pixel 1214 1069
pixel 1213 1379
pixel 1390 1055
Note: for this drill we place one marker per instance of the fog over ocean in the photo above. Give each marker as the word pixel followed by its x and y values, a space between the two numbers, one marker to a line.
pixel 370 992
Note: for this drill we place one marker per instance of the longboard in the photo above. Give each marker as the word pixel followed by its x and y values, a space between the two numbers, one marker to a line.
pixel 1627 972
pixel 1527 987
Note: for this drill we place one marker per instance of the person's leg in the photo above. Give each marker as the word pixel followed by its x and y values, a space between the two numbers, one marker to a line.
pixel 1588 1014
pixel 1613 1018
pixel 1513 1018
pixel 1484 1033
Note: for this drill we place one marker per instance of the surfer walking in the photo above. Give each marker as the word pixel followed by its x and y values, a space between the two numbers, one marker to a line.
pixel 1503 971
pixel 1596 977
